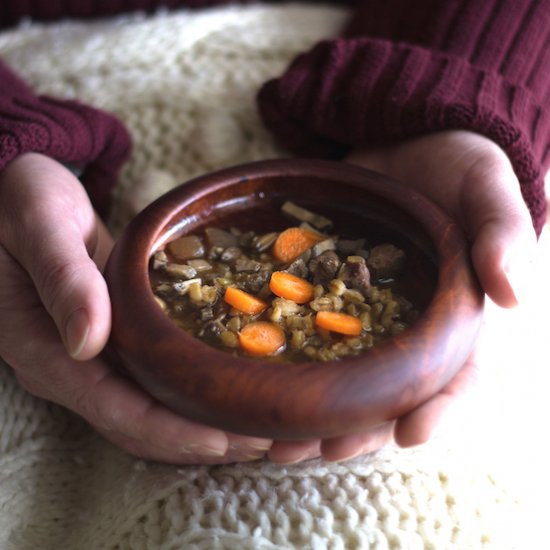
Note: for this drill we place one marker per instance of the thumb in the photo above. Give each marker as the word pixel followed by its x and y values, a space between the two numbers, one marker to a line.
pixel 75 294
pixel 70 287
pixel 50 228
pixel 504 240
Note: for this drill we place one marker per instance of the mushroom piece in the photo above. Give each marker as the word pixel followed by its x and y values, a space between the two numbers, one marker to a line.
pixel 186 248
pixel 304 215
pixel 355 273
pixel 220 238
pixel 324 267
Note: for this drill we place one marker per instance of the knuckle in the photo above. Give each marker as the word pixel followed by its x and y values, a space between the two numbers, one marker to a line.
pixel 31 386
pixel 7 353
pixel 94 403
pixel 85 404
pixel 21 356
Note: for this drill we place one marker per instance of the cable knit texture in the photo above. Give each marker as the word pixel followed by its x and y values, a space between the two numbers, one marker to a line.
pixel 184 84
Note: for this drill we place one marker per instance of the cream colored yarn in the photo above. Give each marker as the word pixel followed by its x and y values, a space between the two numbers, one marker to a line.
pixel 184 83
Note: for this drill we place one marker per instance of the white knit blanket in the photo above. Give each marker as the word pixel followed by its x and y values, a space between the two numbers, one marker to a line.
pixel 184 83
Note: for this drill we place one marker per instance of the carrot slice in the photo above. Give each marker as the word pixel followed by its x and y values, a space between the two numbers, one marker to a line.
pixel 341 323
pixel 241 300
pixel 262 338
pixel 290 287
pixel 292 242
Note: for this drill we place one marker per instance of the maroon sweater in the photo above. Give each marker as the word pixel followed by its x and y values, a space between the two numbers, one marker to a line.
pixel 401 68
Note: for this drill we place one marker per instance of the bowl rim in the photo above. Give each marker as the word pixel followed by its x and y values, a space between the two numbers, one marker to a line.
pixel 160 221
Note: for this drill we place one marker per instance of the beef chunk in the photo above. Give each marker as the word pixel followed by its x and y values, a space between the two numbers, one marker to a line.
pixel 385 261
pixel 324 267
pixel 355 274
pixel 253 282
pixel 298 268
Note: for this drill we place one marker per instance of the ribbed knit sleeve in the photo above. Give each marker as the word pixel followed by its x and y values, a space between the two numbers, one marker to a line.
pixel 67 131
pixel 404 68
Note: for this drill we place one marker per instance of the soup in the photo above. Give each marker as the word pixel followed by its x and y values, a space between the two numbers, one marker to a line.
pixel 303 293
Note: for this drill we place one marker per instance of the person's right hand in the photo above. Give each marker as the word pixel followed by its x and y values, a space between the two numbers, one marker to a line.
pixel 471 178
pixel 55 320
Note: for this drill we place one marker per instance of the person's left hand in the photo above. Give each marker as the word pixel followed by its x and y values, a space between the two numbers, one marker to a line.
pixel 55 319
pixel 472 179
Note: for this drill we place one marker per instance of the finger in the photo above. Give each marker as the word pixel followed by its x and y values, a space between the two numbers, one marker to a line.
pixel 503 255
pixel 239 448
pixel 291 452
pixel 104 244
pixel 501 230
pixel 151 432
pixel 114 404
pixel 145 449
pixel 122 412
pixel 72 290
pixel 349 446
pixel 142 450
pixel 419 425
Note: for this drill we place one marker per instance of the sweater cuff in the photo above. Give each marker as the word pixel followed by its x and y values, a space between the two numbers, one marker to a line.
pixel 66 130
pixel 357 92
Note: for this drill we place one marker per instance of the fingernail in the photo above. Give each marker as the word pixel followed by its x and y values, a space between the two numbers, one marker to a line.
pixel 241 452
pixel 290 461
pixel 252 457
pixel 345 458
pixel 250 447
pixel 201 450
pixel 77 330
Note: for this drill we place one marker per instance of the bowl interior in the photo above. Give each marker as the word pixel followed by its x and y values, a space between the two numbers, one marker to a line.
pixel 255 204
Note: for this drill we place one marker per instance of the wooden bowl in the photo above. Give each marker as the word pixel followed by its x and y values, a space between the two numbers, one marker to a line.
pixel 308 399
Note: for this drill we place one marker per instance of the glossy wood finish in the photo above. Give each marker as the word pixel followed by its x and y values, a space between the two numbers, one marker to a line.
pixel 297 400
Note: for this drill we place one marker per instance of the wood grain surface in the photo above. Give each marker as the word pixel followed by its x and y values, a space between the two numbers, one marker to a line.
pixel 297 400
